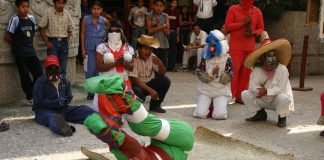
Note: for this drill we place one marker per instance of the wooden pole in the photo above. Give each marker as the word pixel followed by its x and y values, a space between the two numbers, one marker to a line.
pixel 303 68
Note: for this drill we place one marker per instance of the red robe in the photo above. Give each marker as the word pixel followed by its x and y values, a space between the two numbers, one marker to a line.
pixel 240 44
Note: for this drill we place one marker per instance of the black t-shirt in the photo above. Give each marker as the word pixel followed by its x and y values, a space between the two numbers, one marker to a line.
pixel 23 32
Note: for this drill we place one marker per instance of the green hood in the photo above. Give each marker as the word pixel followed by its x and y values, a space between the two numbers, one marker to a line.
pixel 104 84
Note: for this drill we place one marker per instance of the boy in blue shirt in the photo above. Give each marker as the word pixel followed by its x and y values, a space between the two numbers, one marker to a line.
pixel 20 33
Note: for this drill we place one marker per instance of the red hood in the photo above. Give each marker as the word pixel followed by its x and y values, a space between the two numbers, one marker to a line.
pixel 247 4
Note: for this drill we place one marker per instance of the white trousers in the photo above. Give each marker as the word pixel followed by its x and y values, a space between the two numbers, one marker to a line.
pixel 279 103
pixel 220 106
pixel 190 53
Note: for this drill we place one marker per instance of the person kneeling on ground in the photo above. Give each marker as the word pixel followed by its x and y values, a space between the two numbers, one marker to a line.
pixel 269 86
pixel 143 78
pixel 214 66
pixel 52 95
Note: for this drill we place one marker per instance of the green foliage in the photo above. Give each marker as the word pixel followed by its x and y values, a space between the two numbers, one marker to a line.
pixel 274 8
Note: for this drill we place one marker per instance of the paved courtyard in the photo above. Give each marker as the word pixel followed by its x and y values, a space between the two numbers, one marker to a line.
pixel 27 140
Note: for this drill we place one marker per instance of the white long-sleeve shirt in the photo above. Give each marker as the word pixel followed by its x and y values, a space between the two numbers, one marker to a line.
pixel 278 84
pixel 205 8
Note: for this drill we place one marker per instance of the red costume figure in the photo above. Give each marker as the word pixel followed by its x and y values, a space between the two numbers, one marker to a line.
pixel 321 119
pixel 244 22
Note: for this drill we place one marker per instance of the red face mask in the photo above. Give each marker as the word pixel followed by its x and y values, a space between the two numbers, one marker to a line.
pixel 247 4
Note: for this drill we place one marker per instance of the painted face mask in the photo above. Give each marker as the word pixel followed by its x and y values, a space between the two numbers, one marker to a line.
pixel 270 61
pixel 53 73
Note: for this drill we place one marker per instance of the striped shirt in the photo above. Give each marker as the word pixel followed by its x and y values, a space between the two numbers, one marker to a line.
pixel 56 24
pixel 144 70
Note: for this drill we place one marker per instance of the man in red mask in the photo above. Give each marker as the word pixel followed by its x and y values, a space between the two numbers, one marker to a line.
pixel 245 22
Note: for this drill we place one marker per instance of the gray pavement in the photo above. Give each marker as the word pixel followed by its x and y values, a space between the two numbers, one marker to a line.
pixel 27 140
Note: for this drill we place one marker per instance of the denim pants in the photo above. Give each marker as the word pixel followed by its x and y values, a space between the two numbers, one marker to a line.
pixel 91 66
pixel 172 51
pixel 136 33
pixel 27 65
pixel 160 84
pixel 74 114
pixel 61 50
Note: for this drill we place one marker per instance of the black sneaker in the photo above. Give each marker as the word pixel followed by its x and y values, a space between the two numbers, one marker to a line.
pixel 90 97
pixel 4 126
pixel 322 133
pixel 64 128
pixel 158 110
pixel 281 122
pixel 239 101
pixel 261 115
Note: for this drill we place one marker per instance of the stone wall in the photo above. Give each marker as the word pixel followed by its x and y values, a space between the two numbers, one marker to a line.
pixel 292 26
pixel 10 89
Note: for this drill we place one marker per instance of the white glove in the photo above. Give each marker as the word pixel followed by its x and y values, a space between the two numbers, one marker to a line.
pixel 108 58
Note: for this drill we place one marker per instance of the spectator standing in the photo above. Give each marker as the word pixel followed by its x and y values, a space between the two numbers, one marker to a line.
pixel 56 28
pixel 158 26
pixel 20 34
pixel 85 10
pixel 92 34
pixel 205 14
pixel 245 23
pixel 136 20
pixel 185 25
pixel 173 38
pixel 143 78
pixel 194 48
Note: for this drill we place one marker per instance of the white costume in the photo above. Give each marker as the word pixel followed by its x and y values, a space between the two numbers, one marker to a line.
pixel 279 94
pixel 214 91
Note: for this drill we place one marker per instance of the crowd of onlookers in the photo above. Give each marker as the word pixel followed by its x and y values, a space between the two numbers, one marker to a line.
pixel 159 39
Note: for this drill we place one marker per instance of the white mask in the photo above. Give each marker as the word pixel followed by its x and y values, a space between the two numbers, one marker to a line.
pixel 114 38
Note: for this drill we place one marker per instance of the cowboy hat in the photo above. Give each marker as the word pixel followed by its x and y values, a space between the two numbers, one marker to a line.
pixel 281 46
pixel 149 41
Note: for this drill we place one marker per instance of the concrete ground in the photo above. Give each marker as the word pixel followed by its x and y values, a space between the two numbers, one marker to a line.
pixel 28 140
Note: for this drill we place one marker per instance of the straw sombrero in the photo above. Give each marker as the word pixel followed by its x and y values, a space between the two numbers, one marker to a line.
pixel 281 46
pixel 149 41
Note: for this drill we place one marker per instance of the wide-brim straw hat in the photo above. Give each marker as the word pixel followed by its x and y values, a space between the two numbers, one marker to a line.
pixel 281 46
pixel 149 41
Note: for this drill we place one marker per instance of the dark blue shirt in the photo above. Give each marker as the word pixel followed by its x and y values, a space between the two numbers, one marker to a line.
pixel 46 96
pixel 22 31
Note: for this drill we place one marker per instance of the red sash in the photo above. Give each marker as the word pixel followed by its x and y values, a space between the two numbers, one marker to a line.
pixel 119 67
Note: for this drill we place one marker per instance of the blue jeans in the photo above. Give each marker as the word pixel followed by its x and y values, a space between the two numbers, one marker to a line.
pixel 61 50
pixel 136 33
pixel 91 66
pixel 74 114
